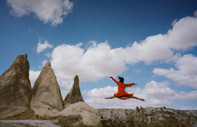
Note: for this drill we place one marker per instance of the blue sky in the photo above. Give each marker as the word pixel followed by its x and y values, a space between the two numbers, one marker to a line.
pixel 153 43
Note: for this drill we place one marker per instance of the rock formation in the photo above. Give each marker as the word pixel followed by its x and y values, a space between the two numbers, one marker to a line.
pixel 46 95
pixel 79 114
pixel 147 117
pixel 15 88
pixel 74 95
pixel 116 117
pixel 46 100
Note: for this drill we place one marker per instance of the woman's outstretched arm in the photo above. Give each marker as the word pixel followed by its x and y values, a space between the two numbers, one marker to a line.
pixel 130 84
pixel 113 79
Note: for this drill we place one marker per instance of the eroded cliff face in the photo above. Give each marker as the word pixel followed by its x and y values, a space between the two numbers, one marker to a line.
pixel 15 88
pixel 74 94
pixel 46 94
pixel 147 117
pixel 116 117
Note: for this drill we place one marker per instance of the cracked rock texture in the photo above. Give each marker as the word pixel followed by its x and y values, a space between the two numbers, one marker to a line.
pixel 46 95
pixel 15 88
pixel 148 117
pixel 74 95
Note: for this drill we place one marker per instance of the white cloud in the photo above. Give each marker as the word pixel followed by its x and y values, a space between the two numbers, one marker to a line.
pixel 158 93
pixel 41 47
pixel 44 62
pixel 183 35
pixel 98 61
pixel 155 94
pixel 161 47
pixel 192 95
pixel 33 75
pixel 51 11
pixel 48 55
pixel 186 72
pixel 95 97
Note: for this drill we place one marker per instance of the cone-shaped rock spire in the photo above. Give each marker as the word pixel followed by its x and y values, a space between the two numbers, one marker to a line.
pixel 46 95
pixel 74 95
pixel 15 88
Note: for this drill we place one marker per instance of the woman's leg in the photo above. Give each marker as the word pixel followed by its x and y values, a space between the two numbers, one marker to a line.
pixel 109 97
pixel 137 98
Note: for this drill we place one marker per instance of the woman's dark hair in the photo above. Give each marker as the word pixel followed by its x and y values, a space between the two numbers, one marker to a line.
pixel 121 79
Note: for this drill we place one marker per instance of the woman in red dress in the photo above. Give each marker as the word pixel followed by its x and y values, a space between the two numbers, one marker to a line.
pixel 122 94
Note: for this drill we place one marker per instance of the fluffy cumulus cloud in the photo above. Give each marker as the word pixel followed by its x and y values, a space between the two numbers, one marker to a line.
pixel 158 93
pixel 154 93
pixel 99 59
pixel 162 47
pixel 41 47
pixel 51 11
pixel 95 97
pixel 186 71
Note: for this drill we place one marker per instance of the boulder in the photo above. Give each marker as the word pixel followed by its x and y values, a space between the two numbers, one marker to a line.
pixel 46 95
pixel 15 88
pixel 79 114
pixel 74 95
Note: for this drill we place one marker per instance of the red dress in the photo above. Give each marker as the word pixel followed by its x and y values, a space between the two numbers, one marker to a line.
pixel 122 94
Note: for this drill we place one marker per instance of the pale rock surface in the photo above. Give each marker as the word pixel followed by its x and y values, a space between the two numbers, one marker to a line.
pixel 46 95
pixel 15 88
pixel 116 117
pixel 74 95
pixel 148 117
pixel 115 114
pixel 27 123
pixel 80 114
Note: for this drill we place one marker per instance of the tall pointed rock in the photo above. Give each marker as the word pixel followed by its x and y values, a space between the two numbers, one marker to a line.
pixel 74 95
pixel 15 88
pixel 46 95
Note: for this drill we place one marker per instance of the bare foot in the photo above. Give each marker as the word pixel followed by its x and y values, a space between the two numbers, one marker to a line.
pixel 142 99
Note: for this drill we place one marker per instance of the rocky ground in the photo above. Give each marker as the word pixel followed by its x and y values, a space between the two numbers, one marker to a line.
pixel 140 117
pixel 28 123
pixel 148 117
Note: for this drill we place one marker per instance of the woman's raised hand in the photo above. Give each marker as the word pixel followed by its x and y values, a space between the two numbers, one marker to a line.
pixel 110 77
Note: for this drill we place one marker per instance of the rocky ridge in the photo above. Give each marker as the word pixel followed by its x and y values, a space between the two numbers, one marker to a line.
pixel 148 117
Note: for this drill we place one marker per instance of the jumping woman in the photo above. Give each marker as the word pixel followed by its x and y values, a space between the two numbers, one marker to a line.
pixel 122 94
